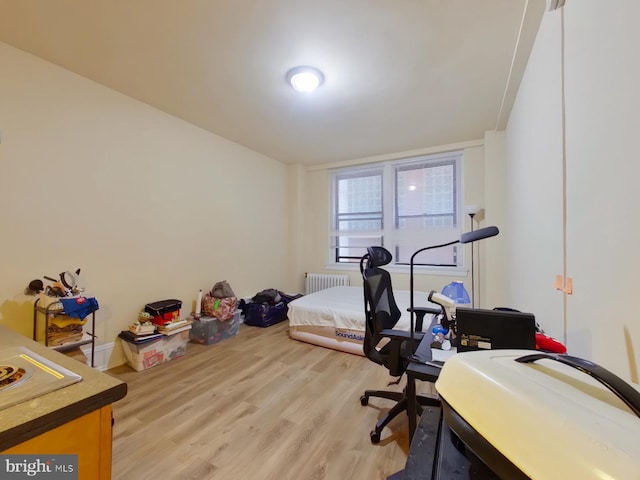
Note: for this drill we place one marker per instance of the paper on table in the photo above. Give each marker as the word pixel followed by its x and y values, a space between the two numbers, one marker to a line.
pixel 439 355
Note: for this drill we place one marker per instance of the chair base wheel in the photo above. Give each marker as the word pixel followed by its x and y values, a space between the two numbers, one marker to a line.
pixel 375 436
pixel 364 400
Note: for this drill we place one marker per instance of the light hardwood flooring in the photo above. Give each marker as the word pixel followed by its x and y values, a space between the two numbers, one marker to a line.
pixel 257 406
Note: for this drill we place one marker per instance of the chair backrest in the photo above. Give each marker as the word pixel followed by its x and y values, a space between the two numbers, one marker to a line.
pixel 381 310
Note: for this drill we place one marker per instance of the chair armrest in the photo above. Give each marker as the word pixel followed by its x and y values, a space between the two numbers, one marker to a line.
pixel 400 335
pixel 433 310
pixel 421 312
pixel 399 351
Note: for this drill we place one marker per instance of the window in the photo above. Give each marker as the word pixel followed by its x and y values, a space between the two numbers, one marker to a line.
pixel 403 205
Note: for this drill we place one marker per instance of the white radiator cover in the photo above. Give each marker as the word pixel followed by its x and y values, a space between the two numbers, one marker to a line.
pixel 321 281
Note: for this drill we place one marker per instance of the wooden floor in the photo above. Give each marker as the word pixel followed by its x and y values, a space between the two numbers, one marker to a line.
pixel 258 406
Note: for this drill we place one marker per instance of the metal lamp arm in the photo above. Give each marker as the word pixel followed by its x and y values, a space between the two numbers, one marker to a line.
pixel 411 305
pixel 468 237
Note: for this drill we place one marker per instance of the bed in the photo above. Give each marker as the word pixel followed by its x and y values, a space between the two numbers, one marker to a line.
pixel 334 317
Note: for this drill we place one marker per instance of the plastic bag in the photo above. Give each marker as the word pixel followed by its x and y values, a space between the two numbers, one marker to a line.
pixel 222 290
pixel 221 308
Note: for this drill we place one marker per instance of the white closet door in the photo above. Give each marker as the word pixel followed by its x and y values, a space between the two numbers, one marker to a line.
pixel 602 73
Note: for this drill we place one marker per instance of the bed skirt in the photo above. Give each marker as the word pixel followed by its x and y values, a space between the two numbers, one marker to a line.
pixel 341 339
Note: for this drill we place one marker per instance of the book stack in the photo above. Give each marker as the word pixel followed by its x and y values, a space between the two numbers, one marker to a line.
pixel 140 332
pixel 174 327
pixel 136 339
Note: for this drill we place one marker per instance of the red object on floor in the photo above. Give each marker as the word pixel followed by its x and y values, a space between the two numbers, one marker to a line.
pixel 548 344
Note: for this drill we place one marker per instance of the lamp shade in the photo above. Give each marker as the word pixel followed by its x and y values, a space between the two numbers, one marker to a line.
pixel 471 209
pixel 456 292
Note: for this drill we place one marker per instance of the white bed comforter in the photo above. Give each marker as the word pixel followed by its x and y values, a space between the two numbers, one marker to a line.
pixel 343 307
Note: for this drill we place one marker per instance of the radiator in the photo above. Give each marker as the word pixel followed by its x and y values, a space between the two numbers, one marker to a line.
pixel 320 281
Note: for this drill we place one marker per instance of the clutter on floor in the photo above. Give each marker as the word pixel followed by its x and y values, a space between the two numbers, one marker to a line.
pixel 217 316
pixel 144 353
pixel 220 302
pixel 210 330
pixel 267 307
pixel 160 334
pixel 157 336
pixel 164 311
pixel 63 309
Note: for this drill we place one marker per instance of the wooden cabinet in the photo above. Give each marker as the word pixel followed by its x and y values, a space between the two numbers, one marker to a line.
pixel 88 436
pixel 72 420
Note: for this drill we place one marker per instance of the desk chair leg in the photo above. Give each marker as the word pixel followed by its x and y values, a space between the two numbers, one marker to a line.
pixel 398 408
pixel 401 405
pixel 395 396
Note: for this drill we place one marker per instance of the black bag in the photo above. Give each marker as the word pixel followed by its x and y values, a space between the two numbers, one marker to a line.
pixel 266 314
pixel 270 296
pixel 263 314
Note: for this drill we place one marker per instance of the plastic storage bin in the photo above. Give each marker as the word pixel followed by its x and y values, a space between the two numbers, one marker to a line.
pixel 210 330
pixel 146 355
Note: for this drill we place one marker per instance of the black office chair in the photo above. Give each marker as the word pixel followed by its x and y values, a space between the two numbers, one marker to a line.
pixel 382 314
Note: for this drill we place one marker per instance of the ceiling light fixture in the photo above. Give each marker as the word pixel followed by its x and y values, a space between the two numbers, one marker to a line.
pixel 305 78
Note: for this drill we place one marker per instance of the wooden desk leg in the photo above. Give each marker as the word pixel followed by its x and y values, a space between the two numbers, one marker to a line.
pixel 411 405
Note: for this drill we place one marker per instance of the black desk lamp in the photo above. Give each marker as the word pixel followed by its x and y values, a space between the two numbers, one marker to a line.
pixel 468 237
pixel 472 211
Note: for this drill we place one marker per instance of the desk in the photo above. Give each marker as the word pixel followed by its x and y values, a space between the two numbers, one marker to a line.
pixel 434 456
pixel 419 371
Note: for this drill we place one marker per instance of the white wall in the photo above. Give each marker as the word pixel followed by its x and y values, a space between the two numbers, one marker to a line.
pixel 602 74
pixel 533 185
pixel 602 104
pixel 149 207
pixel 493 260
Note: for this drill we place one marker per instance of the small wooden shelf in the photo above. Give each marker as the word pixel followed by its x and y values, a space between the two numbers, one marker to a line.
pixel 51 311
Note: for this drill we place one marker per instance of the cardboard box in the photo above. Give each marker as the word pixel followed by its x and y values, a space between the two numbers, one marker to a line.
pixel 146 355
pixel 210 330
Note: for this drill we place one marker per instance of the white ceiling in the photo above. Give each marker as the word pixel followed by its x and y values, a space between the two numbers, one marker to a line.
pixel 399 75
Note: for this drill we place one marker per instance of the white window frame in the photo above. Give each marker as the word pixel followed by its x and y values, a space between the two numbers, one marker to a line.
pixel 392 237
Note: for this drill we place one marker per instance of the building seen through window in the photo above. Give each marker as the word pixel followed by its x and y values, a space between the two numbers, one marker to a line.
pixel 403 205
